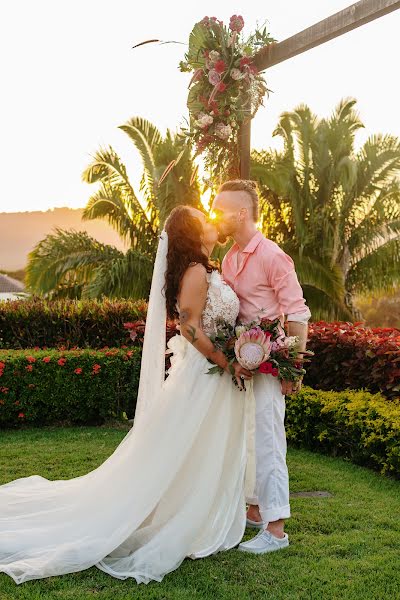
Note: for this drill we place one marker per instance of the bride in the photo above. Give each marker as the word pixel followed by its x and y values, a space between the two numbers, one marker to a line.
pixel 174 487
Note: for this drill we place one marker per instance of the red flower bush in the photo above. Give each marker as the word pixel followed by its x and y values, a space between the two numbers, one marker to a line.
pixel 51 393
pixel 352 356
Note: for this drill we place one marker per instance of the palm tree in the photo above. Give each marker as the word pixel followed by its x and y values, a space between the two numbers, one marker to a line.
pixel 335 210
pixel 73 264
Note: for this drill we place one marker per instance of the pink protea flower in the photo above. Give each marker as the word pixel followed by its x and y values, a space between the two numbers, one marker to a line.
pixel 252 348
pixel 236 23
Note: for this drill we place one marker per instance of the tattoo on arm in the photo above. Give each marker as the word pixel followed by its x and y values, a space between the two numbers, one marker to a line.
pixel 184 317
pixel 192 332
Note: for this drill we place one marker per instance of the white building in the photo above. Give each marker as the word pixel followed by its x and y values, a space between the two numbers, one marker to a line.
pixel 11 289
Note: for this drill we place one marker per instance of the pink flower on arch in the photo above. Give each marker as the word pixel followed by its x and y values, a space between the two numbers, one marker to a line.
pixel 78 371
pixel 214 77
pixel 220 66
pixel 236 23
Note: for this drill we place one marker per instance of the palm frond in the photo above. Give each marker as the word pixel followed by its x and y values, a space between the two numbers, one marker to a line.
pixel 66 259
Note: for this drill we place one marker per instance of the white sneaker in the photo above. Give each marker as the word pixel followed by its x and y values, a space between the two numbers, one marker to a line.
pixel 264 542
pixel 254 524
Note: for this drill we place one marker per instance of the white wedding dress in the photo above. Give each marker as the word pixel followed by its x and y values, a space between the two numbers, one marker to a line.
pixel 173 488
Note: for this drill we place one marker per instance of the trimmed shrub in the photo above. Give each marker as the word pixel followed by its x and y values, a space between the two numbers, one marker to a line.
pixel 69 323
pixel 363 427
pixel 349 356
pixel 76 386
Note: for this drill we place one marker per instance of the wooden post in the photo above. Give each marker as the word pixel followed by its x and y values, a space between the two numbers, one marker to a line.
pixel 244 149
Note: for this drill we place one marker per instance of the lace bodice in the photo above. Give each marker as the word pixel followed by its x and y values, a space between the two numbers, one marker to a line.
pixel 221 303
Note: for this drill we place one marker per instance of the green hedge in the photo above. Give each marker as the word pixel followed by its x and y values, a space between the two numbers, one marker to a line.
pixel 76 386
pixel 69 323
pixel 363 427
pixel 91 386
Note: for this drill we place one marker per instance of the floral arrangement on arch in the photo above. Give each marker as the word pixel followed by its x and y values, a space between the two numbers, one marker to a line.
pixel 225 90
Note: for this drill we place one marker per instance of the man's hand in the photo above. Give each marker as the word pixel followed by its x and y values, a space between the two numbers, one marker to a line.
pixel 239 374
pixel 291 387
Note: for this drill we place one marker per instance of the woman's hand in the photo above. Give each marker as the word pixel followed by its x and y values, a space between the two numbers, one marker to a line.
pixel 239 373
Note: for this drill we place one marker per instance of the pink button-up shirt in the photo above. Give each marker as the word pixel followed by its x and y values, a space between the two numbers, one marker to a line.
pixel 266 282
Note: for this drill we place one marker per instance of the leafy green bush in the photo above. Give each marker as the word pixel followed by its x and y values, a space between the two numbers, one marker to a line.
pixel 69 323
pixel 363 427
pixel 76 386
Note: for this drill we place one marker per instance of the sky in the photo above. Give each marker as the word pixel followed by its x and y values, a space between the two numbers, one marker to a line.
pixel 69 78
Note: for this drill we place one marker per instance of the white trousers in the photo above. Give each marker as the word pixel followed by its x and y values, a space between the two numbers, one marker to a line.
pixel 272 479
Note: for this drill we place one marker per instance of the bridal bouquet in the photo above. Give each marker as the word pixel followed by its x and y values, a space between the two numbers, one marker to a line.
pixel 261 346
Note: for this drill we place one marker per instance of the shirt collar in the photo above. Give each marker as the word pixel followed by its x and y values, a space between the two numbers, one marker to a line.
pixel 253 243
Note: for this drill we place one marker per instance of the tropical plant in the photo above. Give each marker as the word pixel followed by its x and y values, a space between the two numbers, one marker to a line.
pixel 73 264
pixel 334 209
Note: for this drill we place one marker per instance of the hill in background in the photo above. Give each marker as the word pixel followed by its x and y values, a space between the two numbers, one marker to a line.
pixel 21 231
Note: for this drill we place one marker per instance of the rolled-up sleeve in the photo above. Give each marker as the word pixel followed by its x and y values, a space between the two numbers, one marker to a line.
pixel 282 278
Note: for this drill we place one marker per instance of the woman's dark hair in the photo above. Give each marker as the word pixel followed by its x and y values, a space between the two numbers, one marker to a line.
pixel 184 247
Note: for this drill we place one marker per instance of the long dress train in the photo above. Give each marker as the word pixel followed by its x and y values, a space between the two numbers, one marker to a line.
pixel 172 489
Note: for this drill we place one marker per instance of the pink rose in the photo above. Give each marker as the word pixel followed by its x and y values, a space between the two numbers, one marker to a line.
pixel 236 74
pixel 213 77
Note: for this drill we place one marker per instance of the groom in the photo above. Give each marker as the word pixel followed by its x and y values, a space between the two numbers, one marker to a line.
pixel 265 281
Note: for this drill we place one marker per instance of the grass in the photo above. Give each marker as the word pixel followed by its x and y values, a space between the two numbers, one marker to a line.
pixel 346 547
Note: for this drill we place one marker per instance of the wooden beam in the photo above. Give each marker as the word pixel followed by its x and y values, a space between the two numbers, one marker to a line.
pixel 341 22
pixel 244 149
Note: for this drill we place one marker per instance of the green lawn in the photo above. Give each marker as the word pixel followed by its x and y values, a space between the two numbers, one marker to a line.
pixel 346 547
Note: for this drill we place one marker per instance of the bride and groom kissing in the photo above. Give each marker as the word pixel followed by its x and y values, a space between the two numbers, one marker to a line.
pixel 175 485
